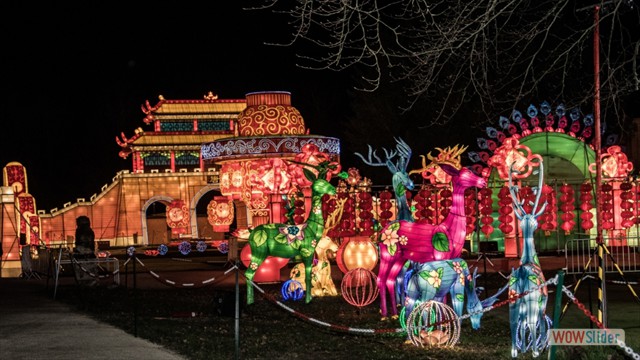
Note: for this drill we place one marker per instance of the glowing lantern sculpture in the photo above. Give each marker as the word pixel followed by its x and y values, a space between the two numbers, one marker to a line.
pixel 365 205
pixel 220 213
pixel 178 217
pixel 359 287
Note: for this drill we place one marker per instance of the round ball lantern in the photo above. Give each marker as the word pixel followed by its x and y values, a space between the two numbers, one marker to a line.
pixel 359 287
pixel 292 290
pixel 357 252
pixel 433 323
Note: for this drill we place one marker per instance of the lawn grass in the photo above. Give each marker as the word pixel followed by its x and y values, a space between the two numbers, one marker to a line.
pixel 267 330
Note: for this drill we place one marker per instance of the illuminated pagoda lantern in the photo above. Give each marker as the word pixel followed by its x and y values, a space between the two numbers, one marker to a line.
pixel 157 200
pixel 252 169
pixel 256 168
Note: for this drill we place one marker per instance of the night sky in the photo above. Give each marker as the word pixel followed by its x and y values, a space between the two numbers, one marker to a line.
pixel 75 75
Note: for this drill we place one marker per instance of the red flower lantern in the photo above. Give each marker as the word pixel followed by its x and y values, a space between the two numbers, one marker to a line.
pixel 485 204
pixel 567 207
pixel 586 205
pixel 506 211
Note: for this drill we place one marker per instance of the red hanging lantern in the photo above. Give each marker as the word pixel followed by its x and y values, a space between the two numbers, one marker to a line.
pixel 549 220
pixel 485 203
pixel 328 207
pixel 385 214
pixel 470 198
pixel 626 205
pixel 567 207
pixel 636 201
pixel 586 205
pixel 220 213
pixel 446 200
pixel 505 210
pixel 365 204
pixel 606 196
pixel 348 221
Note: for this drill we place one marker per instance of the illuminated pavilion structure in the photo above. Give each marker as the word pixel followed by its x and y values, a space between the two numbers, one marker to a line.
pixel 173 175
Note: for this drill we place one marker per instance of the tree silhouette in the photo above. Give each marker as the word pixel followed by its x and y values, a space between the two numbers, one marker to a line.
pixel 493 55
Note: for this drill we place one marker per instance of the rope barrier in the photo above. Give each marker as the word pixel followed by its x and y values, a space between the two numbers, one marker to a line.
pixel 92 274
pixel 167 281
pixel 552 281
pixel 629 351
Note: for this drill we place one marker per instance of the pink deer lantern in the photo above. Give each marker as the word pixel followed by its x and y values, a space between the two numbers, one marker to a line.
pixel 421 242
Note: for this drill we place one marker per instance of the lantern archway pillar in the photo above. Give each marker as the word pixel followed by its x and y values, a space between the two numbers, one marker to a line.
pixel 143 215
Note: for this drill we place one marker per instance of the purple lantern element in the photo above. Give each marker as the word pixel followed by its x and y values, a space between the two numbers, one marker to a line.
pixel 560 110
pixel 201 246
pixel 588 120
pixel 532 111
pixel 574 114
pixel 545 108
pixel 131 251
pixel 482 143
pixel 503 122
pixel 163 249
pixel 292 290
pixel 516 116
pixel 224 247
pixel 612 139
pixel 184 248
pixel 421 242
pixel 492 132
pixel 473 156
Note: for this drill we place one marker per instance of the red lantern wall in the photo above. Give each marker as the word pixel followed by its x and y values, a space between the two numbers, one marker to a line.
pixel 586 198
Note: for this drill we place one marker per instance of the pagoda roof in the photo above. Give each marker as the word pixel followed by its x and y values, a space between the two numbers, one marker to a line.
pixel 163 138
pixel 188 108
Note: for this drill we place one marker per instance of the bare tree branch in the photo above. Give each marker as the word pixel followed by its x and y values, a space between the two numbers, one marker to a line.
pixel 447 52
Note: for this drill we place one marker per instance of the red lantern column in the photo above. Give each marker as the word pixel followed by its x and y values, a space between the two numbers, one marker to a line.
pixel 470 209
pixel 626 205
pixel 567 207
pixel 385 207
pixel 445 202
pixel 606 196
pixel 365 203
pixel 485 203
pixel 586 198
pixel 507 222
pixel 549 217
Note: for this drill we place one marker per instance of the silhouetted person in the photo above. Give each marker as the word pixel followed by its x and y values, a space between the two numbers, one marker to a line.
pixel 85 238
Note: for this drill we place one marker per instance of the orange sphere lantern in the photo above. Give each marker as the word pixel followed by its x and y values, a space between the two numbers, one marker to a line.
pixel 357 252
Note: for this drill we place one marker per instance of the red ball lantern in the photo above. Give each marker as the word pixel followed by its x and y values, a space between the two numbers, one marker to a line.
pixel 359 287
